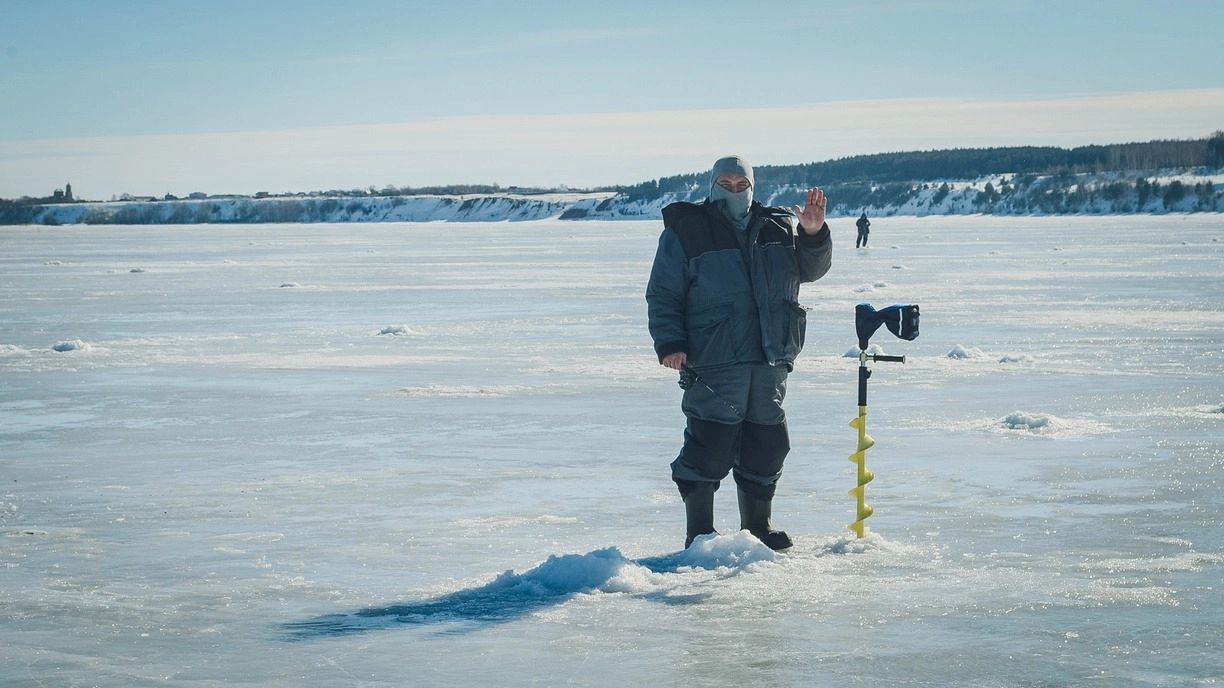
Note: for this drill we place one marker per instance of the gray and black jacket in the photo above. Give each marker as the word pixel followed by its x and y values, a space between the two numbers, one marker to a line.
pixel 725 305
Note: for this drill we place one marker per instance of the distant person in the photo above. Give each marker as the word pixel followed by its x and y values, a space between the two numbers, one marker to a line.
pixel 723 309
pixel 863 225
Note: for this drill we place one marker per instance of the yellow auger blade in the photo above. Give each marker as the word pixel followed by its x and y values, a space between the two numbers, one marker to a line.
pixel 859 459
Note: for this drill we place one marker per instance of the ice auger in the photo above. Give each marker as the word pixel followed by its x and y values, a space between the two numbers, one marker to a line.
pixel 903 322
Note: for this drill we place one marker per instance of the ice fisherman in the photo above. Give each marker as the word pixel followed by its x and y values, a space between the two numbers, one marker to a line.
pixel 723 306
pixel 863 225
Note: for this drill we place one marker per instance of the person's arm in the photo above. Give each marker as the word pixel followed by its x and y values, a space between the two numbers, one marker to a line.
pixel 666 294
pixel 814 241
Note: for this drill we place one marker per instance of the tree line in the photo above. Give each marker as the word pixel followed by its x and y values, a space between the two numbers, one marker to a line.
pixel 1065 193
pixel 957 163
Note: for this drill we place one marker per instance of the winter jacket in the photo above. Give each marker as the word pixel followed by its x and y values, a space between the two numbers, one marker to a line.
pixel 725 306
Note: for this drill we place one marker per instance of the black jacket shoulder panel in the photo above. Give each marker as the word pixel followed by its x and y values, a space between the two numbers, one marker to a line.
pixel 699 228
pixel 672 212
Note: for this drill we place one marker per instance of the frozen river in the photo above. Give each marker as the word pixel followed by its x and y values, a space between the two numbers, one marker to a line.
pixel 437 455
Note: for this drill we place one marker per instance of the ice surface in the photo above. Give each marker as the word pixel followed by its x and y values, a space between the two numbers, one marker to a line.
pixel 446 462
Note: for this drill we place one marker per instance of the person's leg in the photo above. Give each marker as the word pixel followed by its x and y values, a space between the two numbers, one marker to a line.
pixel 713 407
pixel 764 444
pixel 710 451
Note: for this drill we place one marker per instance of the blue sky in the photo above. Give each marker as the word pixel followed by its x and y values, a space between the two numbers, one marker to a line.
pixel 156 97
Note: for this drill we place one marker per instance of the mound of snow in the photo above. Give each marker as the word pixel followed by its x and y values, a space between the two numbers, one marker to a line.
pixel 961 352
pixel 607 570
pixel 396 330
pixel 137 270
pixel 512 595
pixel 1032 422
pixel 566 573
pixel 864 288
pixel 849 544
pixel 733 550
pixel 900 267
pixel 1015 358
pixel 290 285
pixel 873 349
pixel 1044 425
pixel 70 345
pixel 894 246
pixel 54 262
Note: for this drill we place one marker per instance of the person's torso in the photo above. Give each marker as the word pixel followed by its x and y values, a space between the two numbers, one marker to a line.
pixel 742 292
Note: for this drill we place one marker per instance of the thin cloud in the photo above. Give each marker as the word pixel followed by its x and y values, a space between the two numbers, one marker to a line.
pixel 585 149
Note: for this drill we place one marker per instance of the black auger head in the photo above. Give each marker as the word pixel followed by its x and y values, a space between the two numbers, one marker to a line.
pixel 900 320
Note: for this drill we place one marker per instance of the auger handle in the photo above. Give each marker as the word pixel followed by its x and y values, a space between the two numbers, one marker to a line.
pixel 889 359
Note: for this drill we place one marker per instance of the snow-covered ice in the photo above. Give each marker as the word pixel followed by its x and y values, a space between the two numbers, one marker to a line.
pixel 231 483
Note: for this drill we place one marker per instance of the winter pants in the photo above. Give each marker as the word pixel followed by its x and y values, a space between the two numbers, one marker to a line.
pixel 735 423
pixel 862 238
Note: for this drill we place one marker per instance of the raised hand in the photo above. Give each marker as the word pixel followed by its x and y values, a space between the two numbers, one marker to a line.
pixel 812 216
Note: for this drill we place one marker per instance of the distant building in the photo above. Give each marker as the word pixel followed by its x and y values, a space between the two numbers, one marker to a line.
pixel 197 195
pixel 63 195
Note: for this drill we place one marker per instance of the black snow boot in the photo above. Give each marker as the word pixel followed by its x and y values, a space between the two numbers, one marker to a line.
pixel 698 509
pixel 755 518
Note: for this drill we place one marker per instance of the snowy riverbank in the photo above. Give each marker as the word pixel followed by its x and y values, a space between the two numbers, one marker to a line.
pixel 1168 191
